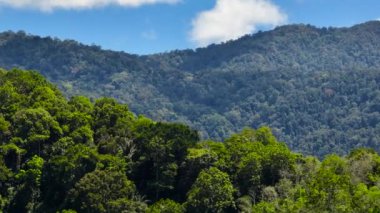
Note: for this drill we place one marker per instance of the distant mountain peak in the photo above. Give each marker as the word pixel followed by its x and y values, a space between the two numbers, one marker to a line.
pixel 373 26
pixel 296 27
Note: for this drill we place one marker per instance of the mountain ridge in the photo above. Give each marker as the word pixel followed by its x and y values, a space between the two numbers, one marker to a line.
pixel 309 84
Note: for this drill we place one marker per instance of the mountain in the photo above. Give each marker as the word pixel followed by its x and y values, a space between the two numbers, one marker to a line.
pixel 317 88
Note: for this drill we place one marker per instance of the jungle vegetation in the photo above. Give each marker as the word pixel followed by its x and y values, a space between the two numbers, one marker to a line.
pixel 95 155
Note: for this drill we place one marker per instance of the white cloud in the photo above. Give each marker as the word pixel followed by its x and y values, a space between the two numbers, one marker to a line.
pixel 231 19
pixel 49 5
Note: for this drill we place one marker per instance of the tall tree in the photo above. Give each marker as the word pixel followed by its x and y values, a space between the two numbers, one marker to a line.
pixel 211 192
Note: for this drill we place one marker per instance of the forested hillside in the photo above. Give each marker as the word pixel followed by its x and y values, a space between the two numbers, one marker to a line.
pixel 78 155
pixel 317 88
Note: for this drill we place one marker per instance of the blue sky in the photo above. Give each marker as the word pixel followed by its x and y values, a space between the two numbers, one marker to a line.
pixel 151 26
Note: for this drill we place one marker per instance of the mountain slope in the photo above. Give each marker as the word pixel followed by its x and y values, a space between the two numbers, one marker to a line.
pixel 317 88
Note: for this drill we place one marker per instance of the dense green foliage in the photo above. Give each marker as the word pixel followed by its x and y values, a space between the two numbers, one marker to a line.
pixel 77 155
pixel 318 89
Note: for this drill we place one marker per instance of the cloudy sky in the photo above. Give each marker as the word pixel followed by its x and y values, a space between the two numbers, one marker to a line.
pixel 151 26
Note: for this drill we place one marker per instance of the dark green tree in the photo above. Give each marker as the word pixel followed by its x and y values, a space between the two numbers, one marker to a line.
pixel 211 192
pixel 101 190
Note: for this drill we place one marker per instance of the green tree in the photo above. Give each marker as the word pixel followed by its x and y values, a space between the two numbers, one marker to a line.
pixel 62 172
pixel 36 128
pixel 160 149
pixel 48 98
pixel 27 198
pixel 265 207
pixel 330 190
pixel 366 200
pixel 81 104
pixel 265 136
pixel 211 192
pixel 364 165
pixel 166 206
pixel 249 176
pixel 6 177
pixel 4 129
pixel 112 125
pixel 277 159
pixel 12 156
pixel 97 189
pixel 10 100
pixel 197 159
